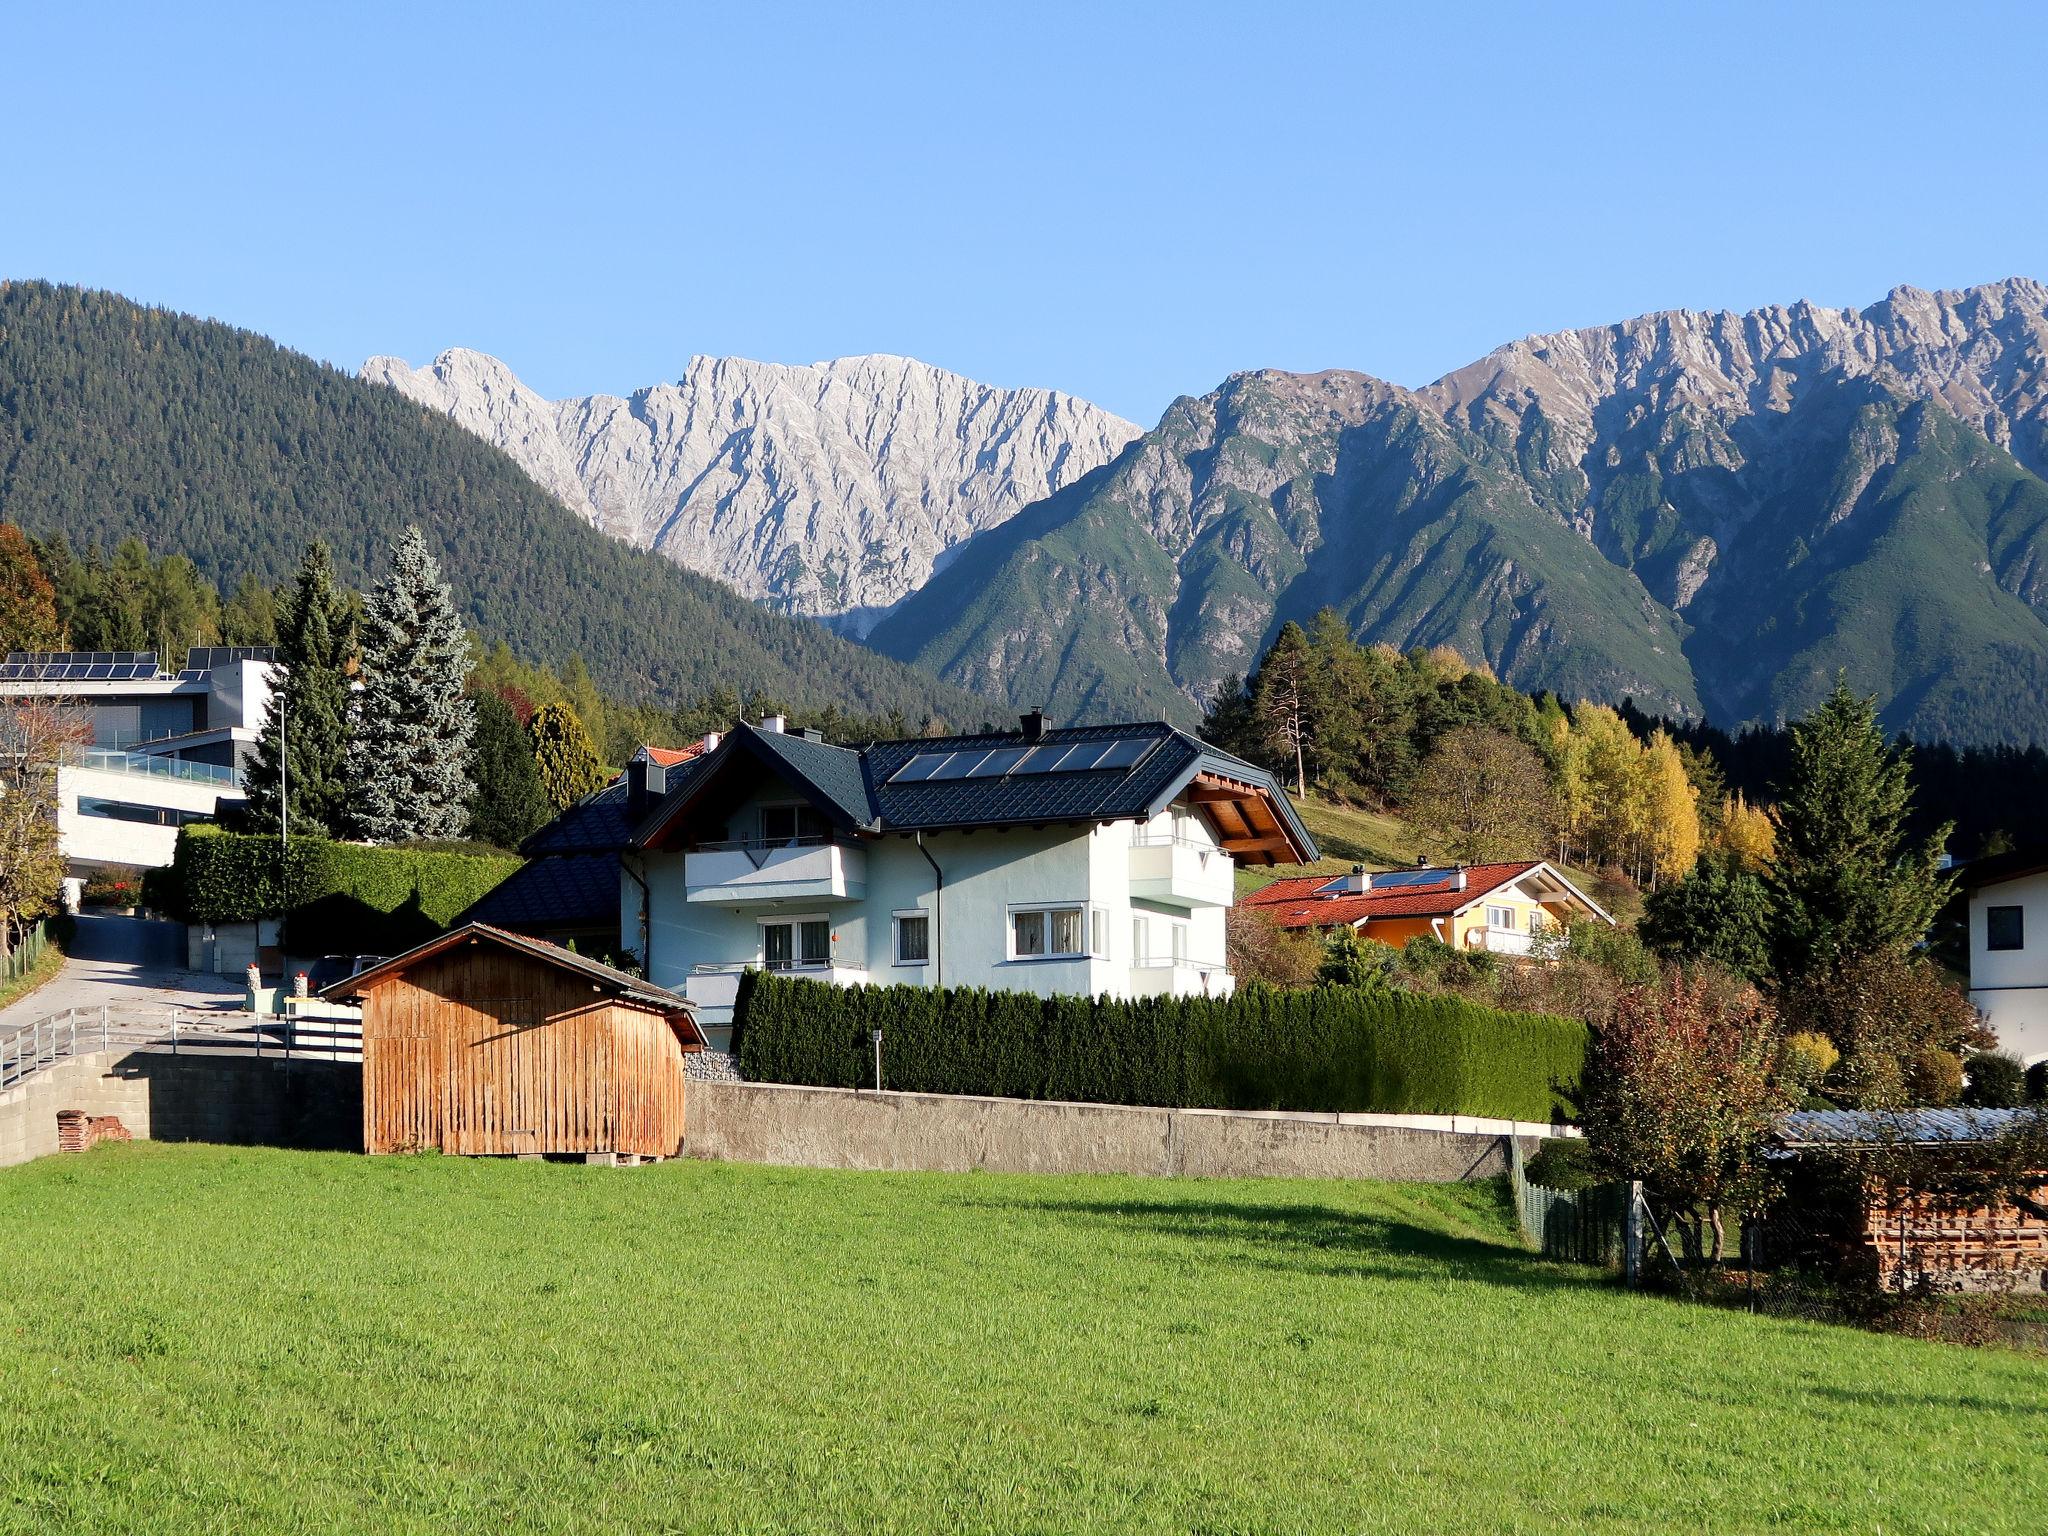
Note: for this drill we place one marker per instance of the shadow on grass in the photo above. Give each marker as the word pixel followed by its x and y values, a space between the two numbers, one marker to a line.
pixel 1318 1239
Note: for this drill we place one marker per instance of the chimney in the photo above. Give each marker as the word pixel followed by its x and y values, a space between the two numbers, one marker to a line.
pixel 774 725
pixel 646 782
pixel 711 741
pixel 1033 723
pixel 1459 883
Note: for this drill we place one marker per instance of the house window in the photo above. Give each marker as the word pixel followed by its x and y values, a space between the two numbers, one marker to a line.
pixel 1180 943
pixel 1098 933
pixel 913 938
pixel 792 823
pixel 796 942
pixel 2004 928
pixel 1501 917
pixel 1038 933
pixel 1141 941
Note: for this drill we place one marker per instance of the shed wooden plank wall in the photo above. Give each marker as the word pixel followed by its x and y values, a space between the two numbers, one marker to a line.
pixel 485 1052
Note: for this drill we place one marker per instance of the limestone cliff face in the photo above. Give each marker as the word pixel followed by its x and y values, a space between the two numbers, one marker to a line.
pixel 830 490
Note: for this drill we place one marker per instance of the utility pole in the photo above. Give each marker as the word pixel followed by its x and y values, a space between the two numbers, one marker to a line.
pixel 284 839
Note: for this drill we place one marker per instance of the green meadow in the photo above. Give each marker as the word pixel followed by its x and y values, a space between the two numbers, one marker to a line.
pixel 204 1339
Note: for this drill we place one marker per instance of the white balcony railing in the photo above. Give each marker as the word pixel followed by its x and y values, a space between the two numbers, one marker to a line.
pixel 1181 978
pixel 1181 872
pixel 803 870
pixel 714 985
pixel 1500 941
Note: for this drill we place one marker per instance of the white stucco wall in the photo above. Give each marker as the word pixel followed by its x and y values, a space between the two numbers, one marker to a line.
pixel 101 841
pixel 2010 986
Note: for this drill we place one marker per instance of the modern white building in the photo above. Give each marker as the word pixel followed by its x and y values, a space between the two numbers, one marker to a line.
pixel 1095 860
pixel 2008 896
pixel 164 748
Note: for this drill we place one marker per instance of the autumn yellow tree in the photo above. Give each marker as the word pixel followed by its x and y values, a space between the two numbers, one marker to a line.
pixel 1572 790
pixel 1617 817
pixel 1670 810
pixel 1747 835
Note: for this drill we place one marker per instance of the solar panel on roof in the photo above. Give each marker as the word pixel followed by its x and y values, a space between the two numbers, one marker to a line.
pixel 1394 879
pixel 1087 754
pixel 919 768
pixel 998 762
pixel 958 764
pixel 1124 752
pixel 1041 759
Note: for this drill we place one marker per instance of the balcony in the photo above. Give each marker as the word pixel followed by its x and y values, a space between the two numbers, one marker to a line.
pixel 812 869
pixel 1180 872
pixel 715 985
pixel 1182 978
pixel 1501 941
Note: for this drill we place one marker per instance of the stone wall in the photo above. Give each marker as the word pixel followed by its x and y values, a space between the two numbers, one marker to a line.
pixel 158 1096
pixel 852 1128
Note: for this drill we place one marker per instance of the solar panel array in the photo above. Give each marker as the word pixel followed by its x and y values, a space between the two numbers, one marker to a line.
pixel 1393 879
pixel 78 666
pixel 204 658
pixel 1009 762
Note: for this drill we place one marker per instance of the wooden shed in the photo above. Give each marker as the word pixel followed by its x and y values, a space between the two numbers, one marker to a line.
pixel 489 1043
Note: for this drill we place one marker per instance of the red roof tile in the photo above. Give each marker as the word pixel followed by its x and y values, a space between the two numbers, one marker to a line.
pixel 1294 904
pixel 668 757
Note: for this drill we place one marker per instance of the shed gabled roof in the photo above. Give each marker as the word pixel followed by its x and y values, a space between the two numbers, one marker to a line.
pixel 630 989
pixel 1294 903
pixel 860 789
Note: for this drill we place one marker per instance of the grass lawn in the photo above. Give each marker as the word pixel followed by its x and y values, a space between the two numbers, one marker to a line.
pixel 206 1339
pixel 45 969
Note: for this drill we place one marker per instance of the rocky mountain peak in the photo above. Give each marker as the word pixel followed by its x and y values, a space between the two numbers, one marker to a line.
pixel 829 489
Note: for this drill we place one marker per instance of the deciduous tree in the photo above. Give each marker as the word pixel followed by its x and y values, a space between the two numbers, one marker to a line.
pixel 28 602
pixel 37 737
pixel 1482 795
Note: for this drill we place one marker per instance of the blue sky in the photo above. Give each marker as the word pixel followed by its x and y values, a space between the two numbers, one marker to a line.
pixel 1125 201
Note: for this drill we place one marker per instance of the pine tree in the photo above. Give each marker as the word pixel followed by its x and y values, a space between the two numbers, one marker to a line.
pixel 569 768
pixel 28 601
pixel 507 802
pixel 409 764
pixel 1287 702
pixel 309 709
pixel 1843 881
pixel 180 610
pixel 250 616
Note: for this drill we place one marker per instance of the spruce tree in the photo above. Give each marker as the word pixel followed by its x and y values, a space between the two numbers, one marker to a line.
pixel 309 706
pixel 507 802
pixel 409 764
pixel 1843 881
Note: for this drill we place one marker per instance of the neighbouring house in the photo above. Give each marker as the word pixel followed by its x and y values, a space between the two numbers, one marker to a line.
pixel 568 890
pixel 1095 860
pixel 1903 1194
pixel 1503 908
pixel 164 749
pixel 2008 906
pixel 488 1043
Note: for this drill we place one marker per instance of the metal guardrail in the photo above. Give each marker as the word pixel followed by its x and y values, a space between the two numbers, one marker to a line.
pixel 74 1032
pixel 108 760
pixel 49 1040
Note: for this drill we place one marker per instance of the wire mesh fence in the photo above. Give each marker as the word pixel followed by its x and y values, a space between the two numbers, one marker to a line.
pixel 1579 1226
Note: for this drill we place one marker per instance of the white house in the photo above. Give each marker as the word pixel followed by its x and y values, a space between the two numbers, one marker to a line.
pixel 165 749
pixel 1096 860
pixel 2009 947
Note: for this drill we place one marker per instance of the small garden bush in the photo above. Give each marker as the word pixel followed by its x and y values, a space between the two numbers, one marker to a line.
pixel 1348 1049
pixel 340 897
pixel 1563 1162
pixel 1994 1080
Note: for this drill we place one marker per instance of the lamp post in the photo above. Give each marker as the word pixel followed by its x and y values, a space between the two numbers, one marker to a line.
pixel 875 1039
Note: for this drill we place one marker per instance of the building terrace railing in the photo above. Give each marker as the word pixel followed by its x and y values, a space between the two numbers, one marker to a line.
pixel 108 760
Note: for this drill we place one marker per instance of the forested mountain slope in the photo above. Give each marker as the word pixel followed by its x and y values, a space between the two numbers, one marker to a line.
pixel 1702 512
pixel 116 419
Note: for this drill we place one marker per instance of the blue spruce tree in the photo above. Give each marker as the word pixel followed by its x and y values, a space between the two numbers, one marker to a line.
pixel 409 763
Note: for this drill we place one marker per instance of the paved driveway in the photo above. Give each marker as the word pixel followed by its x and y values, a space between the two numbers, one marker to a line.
pixel 136 969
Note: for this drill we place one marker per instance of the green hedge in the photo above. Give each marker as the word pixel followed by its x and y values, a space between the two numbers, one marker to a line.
pixel 1325 1048
pixel 339 898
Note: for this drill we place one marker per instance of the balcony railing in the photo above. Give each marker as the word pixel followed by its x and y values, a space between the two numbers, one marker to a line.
pixel 106 760
pixel 1168 976
pixel 809 869
pixel 714 984
pixel 1181 871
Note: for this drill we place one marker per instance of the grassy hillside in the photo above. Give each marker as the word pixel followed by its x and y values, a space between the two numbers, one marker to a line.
pixel 217 443
pixel 208 1339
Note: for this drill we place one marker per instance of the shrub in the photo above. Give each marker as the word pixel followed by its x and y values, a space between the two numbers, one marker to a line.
pixel 1934 1077
pixel 1806 1058
pixel 2037 1083
pixel 1994 1080
pixel 1563 1162
pixel 339 897
pixel 1325 1048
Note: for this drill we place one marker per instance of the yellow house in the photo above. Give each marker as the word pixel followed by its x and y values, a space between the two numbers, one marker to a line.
pixel 1497 907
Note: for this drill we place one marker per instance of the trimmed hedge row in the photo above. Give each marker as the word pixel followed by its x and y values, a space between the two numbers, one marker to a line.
pixel 1350 1049
pixel 339 897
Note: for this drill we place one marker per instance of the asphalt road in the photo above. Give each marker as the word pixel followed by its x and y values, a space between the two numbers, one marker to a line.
pixel 134 968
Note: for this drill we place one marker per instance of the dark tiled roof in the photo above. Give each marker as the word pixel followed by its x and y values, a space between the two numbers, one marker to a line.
pixel 857 784
pixel 1895 1127
pixel 577 890
pixel 631 988
pixel 593 824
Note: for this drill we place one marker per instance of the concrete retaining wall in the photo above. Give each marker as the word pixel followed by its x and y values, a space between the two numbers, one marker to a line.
pixel 238 1100
pixel 851 1128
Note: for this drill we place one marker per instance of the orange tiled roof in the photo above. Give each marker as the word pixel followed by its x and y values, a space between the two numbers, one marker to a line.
pixel 668 757
pixel 1294 904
